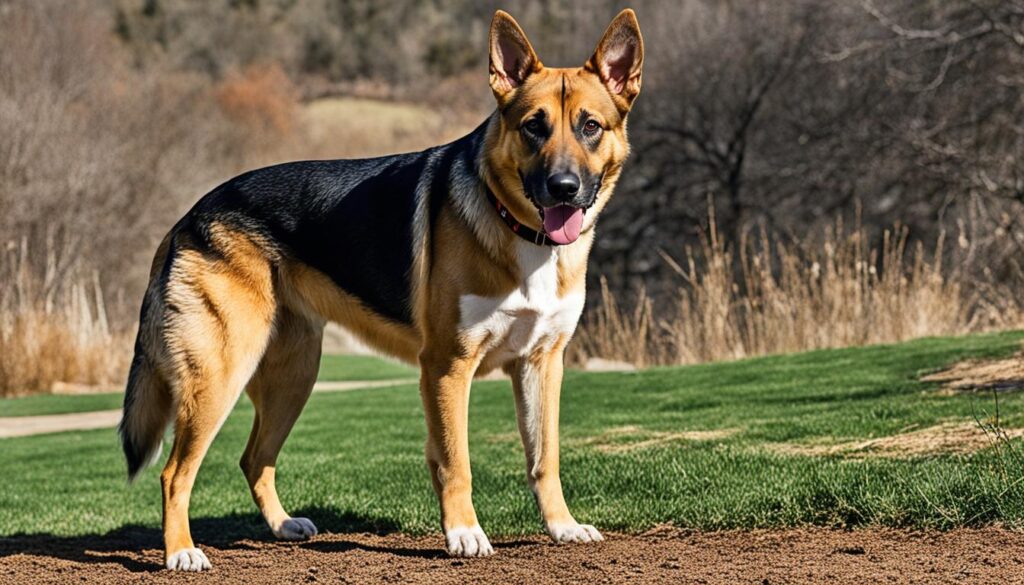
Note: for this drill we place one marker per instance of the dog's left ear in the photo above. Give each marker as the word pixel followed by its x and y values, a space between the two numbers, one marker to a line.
pixel 512 58
pixel 619 58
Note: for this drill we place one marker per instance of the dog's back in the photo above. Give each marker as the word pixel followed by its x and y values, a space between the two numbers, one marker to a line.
pixel 279 226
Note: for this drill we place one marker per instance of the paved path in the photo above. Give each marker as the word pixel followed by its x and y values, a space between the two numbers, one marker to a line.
pixel 23 426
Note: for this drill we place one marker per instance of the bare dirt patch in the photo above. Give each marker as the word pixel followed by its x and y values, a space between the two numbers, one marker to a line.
pixel 629 438
pixel 1006 375
pixel 667 555
pixel 959 437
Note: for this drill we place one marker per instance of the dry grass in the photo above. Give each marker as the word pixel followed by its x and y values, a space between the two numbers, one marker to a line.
pixel 109 154
pixel 344 127
pixel 97 160
pixel 53 325
pixel 963 437
pixel 767 296
pixel 1005 375
pixel 632 438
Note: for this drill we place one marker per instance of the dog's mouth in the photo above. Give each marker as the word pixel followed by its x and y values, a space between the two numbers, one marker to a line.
pixel 562 223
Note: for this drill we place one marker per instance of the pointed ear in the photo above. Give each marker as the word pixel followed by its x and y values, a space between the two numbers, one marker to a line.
pixel 619 57
pixel 512 57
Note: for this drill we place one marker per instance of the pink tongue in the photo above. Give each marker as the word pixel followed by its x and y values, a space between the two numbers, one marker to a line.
pixel 563 223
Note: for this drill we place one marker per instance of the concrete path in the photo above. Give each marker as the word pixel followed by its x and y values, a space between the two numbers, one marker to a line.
pixel 356 385
pixel 23 426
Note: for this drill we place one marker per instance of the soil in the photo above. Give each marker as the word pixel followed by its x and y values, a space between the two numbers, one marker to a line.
pixel 665 555
pixel 1006 375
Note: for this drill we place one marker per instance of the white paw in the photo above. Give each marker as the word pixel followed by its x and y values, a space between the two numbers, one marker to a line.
pixel 295 529
pixel 573 532
pixel 468 542
pixel 188 559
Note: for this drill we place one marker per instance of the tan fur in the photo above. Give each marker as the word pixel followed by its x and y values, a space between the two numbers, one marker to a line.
pixel 279 389
pixel 215 337
pixel 244 318
pixel 542 466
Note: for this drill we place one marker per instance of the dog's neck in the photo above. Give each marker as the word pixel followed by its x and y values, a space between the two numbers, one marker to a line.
pixel 494 235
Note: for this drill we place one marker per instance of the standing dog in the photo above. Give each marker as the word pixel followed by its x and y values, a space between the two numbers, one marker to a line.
pixel 461 258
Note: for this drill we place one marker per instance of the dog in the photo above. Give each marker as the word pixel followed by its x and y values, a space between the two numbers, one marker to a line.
pixel 463 258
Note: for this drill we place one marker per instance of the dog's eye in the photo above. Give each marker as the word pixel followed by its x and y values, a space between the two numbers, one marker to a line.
pixel 534 127
pixel 591 127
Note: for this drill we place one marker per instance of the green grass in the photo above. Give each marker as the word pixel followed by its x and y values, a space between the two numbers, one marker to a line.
pixel 56 404
pixel 355 462
pixel 347 368
pixel 333 368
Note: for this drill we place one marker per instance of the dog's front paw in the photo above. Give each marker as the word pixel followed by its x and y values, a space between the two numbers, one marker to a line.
pixel 295 529
pixel 574 532
pixel 468 541
pixel 188 559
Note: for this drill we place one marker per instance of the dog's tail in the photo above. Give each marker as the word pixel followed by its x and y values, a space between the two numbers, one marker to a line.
pixel 148 406
pixel 148 401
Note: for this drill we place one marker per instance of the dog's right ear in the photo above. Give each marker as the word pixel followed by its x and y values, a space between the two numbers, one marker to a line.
pixel 512 58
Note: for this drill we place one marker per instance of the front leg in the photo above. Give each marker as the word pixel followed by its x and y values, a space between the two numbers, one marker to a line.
pixel 537 381
pixel 444 387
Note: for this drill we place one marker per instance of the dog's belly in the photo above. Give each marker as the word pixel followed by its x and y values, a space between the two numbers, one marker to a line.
pixel 531 317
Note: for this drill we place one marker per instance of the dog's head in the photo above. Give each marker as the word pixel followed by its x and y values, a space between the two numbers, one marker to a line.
pixel 561 139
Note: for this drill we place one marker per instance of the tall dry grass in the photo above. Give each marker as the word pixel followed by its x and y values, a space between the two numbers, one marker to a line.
pixel 54 328
pixel 97 161
pixel 766 295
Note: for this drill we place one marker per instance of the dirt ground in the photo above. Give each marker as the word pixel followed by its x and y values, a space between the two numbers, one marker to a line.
pixel 665 555
pixel 1005 375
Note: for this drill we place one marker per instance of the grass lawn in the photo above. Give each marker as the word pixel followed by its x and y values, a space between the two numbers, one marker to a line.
pixel 333 368
pixel 355 461
pixel 345 368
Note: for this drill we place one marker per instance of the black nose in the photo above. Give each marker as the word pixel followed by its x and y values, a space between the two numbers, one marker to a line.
pixel 563 186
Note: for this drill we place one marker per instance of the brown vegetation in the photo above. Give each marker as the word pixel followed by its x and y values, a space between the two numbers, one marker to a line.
pixel 966 437
pixel 262 99
pixel 53 324
pixel 117 116
pixel 769 295
pixel 1005 375
pixel 630 438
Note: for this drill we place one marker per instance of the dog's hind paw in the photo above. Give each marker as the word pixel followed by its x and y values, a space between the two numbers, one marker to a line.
pixel 573 532
pixel 468 541
pixel 188 559
pixel 295 529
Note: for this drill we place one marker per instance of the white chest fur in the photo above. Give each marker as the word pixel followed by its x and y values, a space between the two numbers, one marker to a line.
pixel 530 317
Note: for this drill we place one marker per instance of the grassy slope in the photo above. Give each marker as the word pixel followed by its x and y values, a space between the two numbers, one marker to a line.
pixel 333 368
pixel 355 459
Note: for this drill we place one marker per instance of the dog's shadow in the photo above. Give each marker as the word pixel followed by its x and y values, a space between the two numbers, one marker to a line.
pixel 234 531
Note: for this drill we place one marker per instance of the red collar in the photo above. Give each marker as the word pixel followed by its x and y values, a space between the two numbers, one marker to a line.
pixel 524 232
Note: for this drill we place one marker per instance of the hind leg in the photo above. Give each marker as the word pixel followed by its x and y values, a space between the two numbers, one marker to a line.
pixel 279 390
pixel 219 320
pixel 195 431
pixel 200 416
